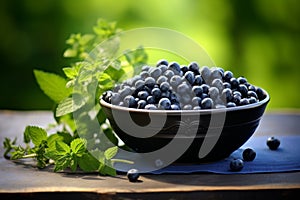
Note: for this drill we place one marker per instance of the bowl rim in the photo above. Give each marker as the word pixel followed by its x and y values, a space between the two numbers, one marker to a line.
pixel 202 111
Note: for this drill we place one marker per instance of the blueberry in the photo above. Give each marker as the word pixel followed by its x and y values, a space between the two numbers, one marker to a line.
pixel 125 91
pixel 145 68
pixel 244 101
pixel 189 76
pixel 205 88
pixel 161 79
pixel 205 73
pixel 226 95
pixel 243 90
pixel 273 143
pixel 156 93
pixel 260 93
pixel 175 107
pixel 236 99
pixel 163 68
pixel 184 69
pixel 218 84
pixel 234 83
pixel 133 175
pixel 183 88
pixel 175 67
pixel 236 164
pixel 165 86
pixel 197 108
pixel 151 100
pixel 162 62
pixel 164 104
pixel 215 74
pixel 115 98
pixel 129 101
pixel 204 95
pixel 187 107
pixel 150 107
pixel 213 92
pixel 242 80
pixel 166 94
pixel 173 98
pixel 228 75
pixel 252 94
pixel 226 85
pixel 139 84
pixel 150 82
pixel 230 105
pixel 196 101
pixel 251 88
pixel 249 154
pixel 107 96
pixel 175 80
pixel 197 90
pixel 169 74
pixel 207 103
pixel 198 80
pixel 144 74
pixel 141 104
pixel 143 95
pixel 155 72
pixel 252 100
pixel 194 67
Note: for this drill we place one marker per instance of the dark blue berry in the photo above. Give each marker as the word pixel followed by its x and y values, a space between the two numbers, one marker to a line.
pixel 169 74
pixel 197 90
pixel 197 108
pixel 164 104
pixel 145 68
pixel 175 67
pixel 226 95
pixel 150 107
pixel 249 154
pixel 205 88
pixel 141 104
pixel 260 93
pixel 242 80
pixel 226 85
pixel 198 80
pixel 215 74
pixel 251 88
pixel 175 107
pixel 228 75
pixel 139 84
pixel 162 62
pixel 230 105
pixel 273 143
pixel 175 80
pixel 115 98
pixel 243 90
pixel 196 101
pixel 156 93
pixel 150 82
pixel 236 99
pixel 129 101
pixel 163 68
pixel 125 91
pixel 155 72
pixel 252 100
pixel 207 103
pixel 133 175
pixel 237 93
pixel 234 83
pixel 166 94
pixel 236 165
pixel 144 74
pixel 184 69
pixel 143 95
pixel 161 79
pixel 165 86
pixel 189 76
pixel 194 67
pixel 151 100
pixel 244 101
pixel 252 94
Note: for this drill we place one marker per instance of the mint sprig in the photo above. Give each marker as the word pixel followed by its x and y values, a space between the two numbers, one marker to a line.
pixel 71 95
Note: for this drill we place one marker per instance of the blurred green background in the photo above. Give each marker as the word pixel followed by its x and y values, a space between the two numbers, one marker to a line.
pixel 258 39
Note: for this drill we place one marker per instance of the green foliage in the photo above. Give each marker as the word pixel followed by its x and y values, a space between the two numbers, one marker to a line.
pixel 75 95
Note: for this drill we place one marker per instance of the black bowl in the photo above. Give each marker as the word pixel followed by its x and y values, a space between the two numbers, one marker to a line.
pixel 232 127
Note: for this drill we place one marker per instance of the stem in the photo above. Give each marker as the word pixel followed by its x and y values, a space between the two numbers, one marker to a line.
pixel 33 155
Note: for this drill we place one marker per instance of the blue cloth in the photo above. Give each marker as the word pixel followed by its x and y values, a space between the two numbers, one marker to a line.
pixel 286 158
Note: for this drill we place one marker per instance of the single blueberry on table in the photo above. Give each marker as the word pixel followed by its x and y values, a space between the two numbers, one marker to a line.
pixel 133 175
pixel 249 154
pixel 273 143
pixel 236 165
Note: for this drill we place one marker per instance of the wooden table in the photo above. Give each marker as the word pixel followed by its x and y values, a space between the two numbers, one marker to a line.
pixel 19 181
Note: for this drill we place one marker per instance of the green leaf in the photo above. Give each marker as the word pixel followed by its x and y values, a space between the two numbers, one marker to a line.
pixel 88 163
pixel 53 85
pixel 36 134
pixel 111 152
pixel 62 163
pixel 70 53
pixel 70 72
pixel 78 146
pixel 62 147
pixel 26 136
pixel 70 105
pixel 73 163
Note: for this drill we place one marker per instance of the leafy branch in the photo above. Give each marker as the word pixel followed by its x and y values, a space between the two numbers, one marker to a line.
pixel 79 143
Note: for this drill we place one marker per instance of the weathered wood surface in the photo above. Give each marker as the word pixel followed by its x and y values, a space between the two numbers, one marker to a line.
pixel 23 181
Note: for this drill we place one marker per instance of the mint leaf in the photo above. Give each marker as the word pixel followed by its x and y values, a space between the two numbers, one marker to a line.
pixel 110 152
pixel 78 146
pixel 88 163
pixel 62 147
pixel 73 163
pixel 36 134
pixel 53 85
pixel 70 105
pixel 63 162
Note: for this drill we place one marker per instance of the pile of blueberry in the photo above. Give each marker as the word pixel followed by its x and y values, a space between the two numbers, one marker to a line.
pixel 169 86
